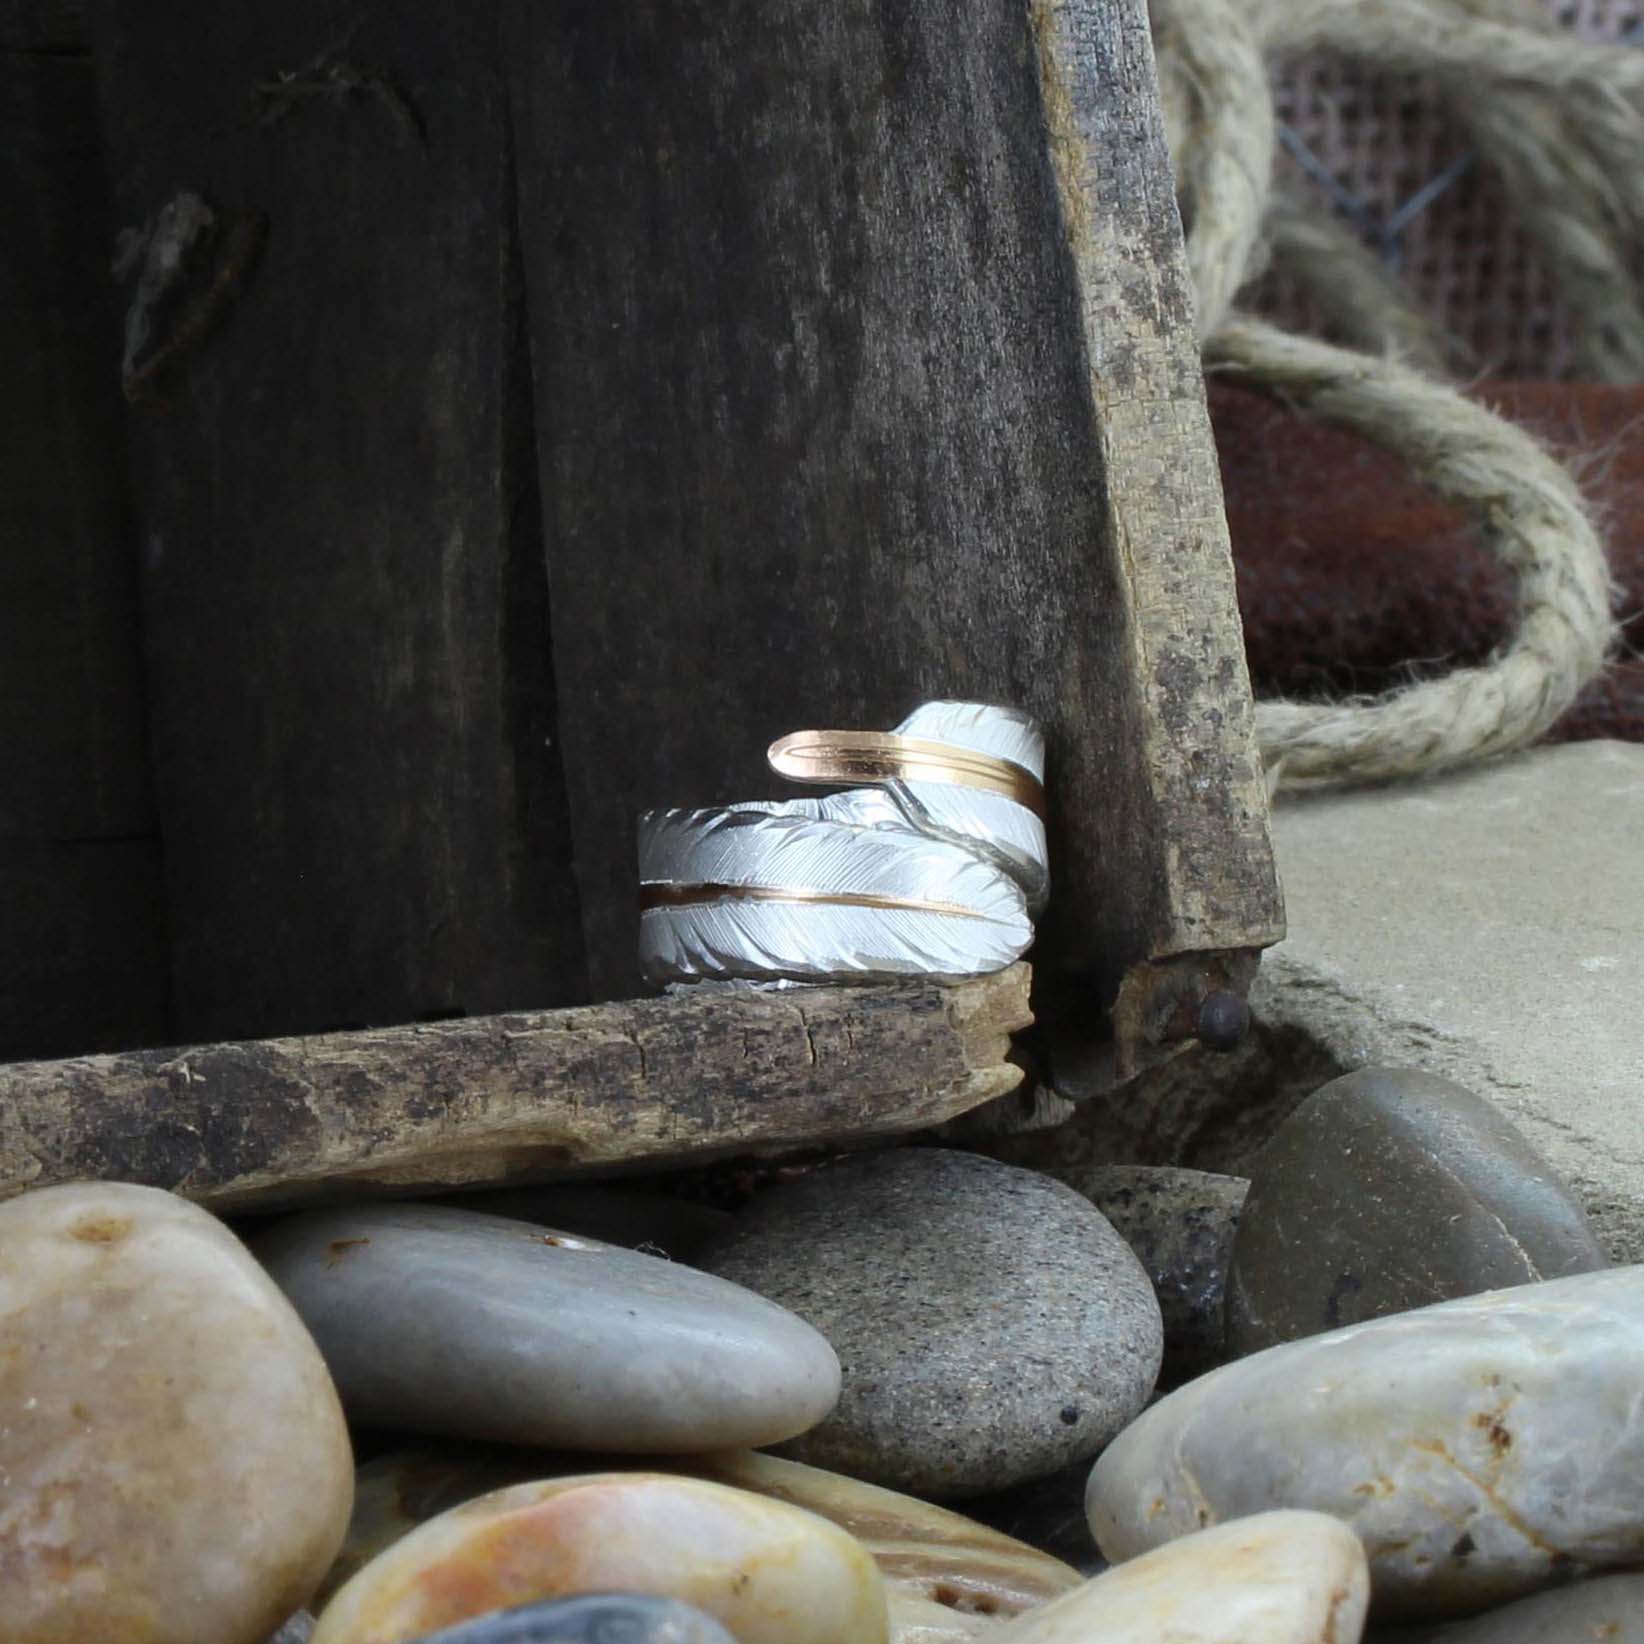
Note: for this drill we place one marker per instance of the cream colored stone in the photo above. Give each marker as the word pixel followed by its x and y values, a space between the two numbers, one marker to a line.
pixel 918 1620
pixel 769 1572
pixel 1275 1578
pixel 174 1463
pixel 946 1576
pixel 1479 1448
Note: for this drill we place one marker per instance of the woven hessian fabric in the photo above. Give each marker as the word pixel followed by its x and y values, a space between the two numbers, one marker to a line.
pixel 1465 259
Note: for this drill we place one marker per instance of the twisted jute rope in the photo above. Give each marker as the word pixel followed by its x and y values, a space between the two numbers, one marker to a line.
pixel 1553 115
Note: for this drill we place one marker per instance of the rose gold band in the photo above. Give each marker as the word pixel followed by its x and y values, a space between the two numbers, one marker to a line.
pixel 657 894
pixel 830 757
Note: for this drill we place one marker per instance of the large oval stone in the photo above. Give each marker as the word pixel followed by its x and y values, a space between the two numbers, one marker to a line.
pixel 1479 1448
pixel 1391 1189
pixel 945 1575
pixel 174 1460
pixel 991 1325
pixel 1605 1610
pixel 601 1618
pixel 447 1321
pixel 770 1573
pixel 1275 1578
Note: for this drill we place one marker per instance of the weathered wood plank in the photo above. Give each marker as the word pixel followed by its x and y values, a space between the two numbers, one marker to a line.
pixel 687 1077
pixel 1165 516
pixel 70 684
pixel 866 349
pixel 82 949
pixel 82 965
pixel 46 26
pixel 347 623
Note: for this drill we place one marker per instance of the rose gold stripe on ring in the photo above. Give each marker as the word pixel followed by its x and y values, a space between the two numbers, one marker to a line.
pixel 830 757
pixel 655 893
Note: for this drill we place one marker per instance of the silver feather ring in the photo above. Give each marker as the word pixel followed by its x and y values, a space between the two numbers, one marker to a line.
pixel 935 866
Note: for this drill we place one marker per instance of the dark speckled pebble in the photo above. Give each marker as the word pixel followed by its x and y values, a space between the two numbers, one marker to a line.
pixel 600 1618
pixel 1391 1189
pixel 1180 1223
pixel 991 1325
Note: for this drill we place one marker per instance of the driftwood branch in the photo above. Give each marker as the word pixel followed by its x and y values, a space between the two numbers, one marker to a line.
pixel 642 1083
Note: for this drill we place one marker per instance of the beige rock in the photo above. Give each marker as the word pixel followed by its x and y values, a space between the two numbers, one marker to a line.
pixel 946 1576
pixel 917 1620
pixel 769 1572
pixel 175 1463
pixel 1275 1578
pixel 1481 1448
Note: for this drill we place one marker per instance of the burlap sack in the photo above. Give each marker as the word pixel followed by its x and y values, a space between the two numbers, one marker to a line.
pixel 1382 140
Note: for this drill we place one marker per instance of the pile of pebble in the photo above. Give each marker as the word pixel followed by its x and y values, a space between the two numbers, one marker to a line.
pixel 1389 1382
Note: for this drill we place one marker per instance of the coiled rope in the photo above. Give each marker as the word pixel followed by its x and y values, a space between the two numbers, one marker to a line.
pixel 1563 123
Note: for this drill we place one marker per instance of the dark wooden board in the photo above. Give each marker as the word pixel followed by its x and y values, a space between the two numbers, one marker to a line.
pixel 346 606
pixel 49 27
pixel 70 688
pixel 81 959
pixel 634 1086
pixel 83 965
pixel 861 371
pixel 865 353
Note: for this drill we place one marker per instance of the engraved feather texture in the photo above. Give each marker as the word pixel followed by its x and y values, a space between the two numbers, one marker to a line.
pixel 915 877
pixel 1006 733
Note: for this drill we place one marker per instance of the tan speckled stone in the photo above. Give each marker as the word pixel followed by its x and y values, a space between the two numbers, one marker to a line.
pixel 175 1465
pixel 991 1326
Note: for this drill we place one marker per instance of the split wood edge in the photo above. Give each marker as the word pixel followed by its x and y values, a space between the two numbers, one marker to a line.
pixel 645 1083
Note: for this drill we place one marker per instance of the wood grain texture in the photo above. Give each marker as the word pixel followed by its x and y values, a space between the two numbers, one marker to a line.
pixel 347 622
pixel 1195 735
pixel 81 924
pixel 71 709
pixel 82 947
pixel 645 1084
pixel 866 357
pixel 49 27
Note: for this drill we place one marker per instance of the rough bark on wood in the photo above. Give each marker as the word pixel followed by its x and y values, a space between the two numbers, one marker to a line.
pixel 691 1076
pixel 82 964
pixel 868 362
pixel 347 623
